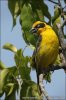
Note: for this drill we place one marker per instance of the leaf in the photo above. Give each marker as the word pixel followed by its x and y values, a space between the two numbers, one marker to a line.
pixel 10 47
pixel 57 13
pixel 11 86
pixel 14 8
pixel 22 64
pixel 58 60
pixel 40 5
pixel 58 20
pixel 30 13
pixel 35 91
pixel 11 97
pixel 10 93
pixel 64 36
pixel 32 47
pixel 29 89
pixel 26 21
pixel 13 71
pixel 47 77
pixel 3 76
pixel 6 77
pixel 2 65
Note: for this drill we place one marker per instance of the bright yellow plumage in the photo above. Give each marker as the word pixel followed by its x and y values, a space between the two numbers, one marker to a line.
pixel 47 50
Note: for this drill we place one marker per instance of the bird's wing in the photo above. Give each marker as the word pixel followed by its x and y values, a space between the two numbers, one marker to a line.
pixel 34 65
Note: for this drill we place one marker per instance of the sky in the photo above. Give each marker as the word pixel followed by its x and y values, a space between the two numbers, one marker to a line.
pixel 57 86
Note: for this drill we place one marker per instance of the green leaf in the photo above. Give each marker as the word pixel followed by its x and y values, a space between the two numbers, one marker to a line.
pixel 11 86
pixel 26 21
pixel 30 13
pixel 14 7
pixel 22 64
pixel 13 71
pixel 57 13
pixel 2 65
pixel 35 90
pixel 11 97
pixel 58 60
pixel 6 77
pixel 29 89
pixel 41 6
pixel 10 92
pixel 47 77
pixel 10 47
pixel 64 36
pixel 58 20
pixel 3 76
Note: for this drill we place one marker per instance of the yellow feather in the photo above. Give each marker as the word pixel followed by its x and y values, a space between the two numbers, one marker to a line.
pixel 48 48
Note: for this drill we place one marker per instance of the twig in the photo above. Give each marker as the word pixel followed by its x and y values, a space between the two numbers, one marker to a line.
pixel 61 39
pixel 53 2
pixel 64 7
pixel 63 23
pixel 59 3
pixel 20 81
pixel 60 34
pixel 56 67
pixel 25 48
pixel 42 88
pixel 50 68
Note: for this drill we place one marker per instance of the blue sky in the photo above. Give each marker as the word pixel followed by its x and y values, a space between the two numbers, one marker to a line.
pixel 57 86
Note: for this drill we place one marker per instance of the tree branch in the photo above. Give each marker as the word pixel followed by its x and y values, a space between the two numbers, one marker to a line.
pixel 50 68
pixel 53 2
pixel 62 54
pixel 44 94
pixel 61 35
pixel 59 3
pixel 62 65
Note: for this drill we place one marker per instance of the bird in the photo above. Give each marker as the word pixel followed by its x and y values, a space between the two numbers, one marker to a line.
pixel 47 46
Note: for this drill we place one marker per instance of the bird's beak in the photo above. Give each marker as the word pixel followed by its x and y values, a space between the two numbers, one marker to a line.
pixel 33 30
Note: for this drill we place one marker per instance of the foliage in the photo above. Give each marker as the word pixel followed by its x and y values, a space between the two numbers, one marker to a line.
pixel 28 11
pixel 22 68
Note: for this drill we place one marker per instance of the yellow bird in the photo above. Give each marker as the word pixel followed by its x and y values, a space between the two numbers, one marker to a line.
pixel 47 46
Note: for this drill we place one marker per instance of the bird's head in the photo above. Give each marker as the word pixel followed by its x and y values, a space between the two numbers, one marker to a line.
pixel 38 27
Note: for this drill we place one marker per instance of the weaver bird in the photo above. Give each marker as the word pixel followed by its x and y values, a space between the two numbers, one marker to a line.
pixel 47 46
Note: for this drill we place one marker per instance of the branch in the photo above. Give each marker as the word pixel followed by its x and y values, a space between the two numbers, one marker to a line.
pixel 62 54
pixel 60 34
pixel 42 88
pixel 59 3
pixel 53 2
pixel 62 65
pixel 55 67
pixel 20 81
pixel 50 68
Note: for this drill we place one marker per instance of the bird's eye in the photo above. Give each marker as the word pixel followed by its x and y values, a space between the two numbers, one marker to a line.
pixel 41 25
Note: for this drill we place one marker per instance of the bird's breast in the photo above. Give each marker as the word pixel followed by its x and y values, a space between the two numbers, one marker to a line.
pixel 48 48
